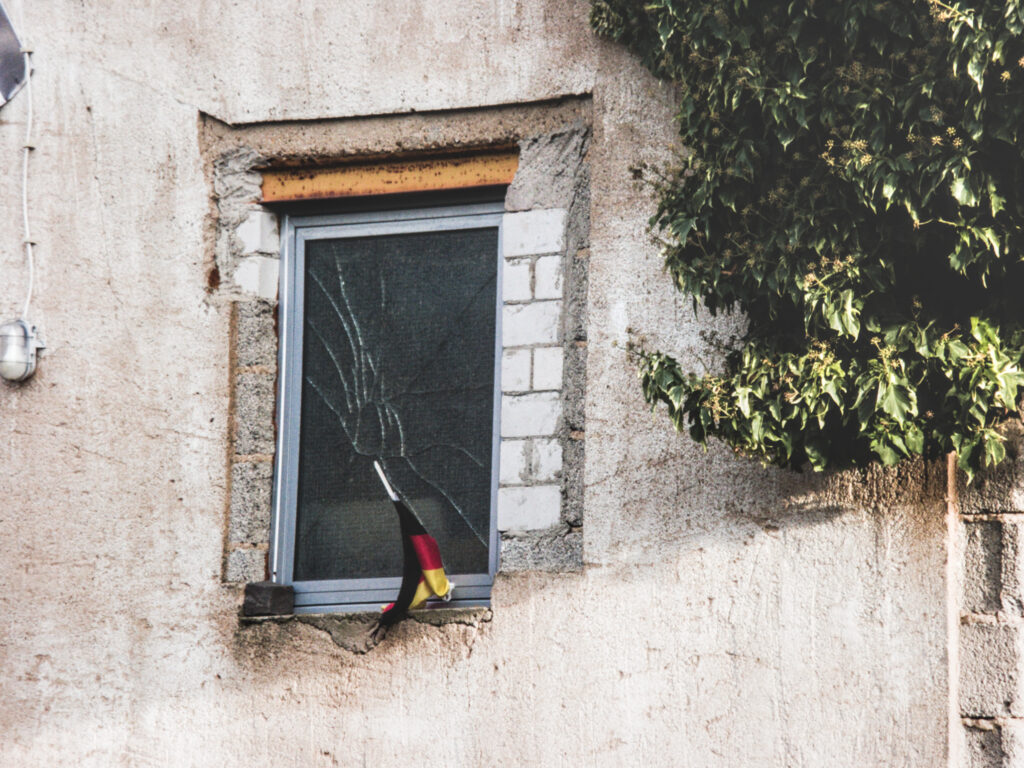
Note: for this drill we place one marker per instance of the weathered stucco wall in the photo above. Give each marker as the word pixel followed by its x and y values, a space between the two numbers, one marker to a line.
pixel 727 615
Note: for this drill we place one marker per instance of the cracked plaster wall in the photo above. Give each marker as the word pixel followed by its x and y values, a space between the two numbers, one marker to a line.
pixel 727 615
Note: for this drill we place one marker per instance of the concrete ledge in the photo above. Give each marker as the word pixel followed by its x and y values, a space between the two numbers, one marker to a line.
pixel 354 631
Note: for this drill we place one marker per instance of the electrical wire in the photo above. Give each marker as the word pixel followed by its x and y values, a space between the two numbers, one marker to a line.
pixel 27 150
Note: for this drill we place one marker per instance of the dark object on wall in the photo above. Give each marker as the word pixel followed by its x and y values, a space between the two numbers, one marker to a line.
pixel 265 598
pixel 13 71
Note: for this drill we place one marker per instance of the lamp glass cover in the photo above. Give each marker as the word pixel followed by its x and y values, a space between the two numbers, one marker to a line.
pixel 17 351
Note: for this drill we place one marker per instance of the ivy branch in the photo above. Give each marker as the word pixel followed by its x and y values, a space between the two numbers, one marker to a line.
pixel 822 138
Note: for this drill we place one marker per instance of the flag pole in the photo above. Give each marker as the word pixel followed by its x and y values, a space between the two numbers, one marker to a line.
pixel 384 479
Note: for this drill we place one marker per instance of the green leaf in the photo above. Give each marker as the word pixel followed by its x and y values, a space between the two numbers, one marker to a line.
pixel 743 400
pixel 895 401
pixel 848 314
pixel 995 451
pixel 962 192
pixel 757 427
pixel 996 201
pixel 816 453
pixel 683 228
pixel 914 439
pixel 976 70
pixel 885 452
pixel 831 387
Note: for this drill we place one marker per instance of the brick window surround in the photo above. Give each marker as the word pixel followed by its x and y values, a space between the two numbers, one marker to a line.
pixel 544 235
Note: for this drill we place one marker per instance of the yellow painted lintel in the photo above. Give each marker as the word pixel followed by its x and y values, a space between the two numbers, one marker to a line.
pixel 390 177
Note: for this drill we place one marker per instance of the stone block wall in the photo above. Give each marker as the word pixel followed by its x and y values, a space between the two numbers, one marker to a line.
pixel 991 629
pixel 252 459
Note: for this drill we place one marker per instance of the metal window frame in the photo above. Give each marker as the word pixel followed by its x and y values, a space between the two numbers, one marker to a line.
pixel 349 595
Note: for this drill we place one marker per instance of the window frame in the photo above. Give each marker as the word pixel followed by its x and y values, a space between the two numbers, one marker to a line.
pixel 348 595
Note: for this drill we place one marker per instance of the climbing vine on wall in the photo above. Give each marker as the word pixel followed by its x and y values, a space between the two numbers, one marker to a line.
pixel 855 185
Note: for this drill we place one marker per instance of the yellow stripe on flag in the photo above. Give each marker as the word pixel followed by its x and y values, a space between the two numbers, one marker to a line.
pixel 438 581
pixel 423 594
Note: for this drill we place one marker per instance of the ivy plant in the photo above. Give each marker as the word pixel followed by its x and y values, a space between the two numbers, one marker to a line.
pixel 854 184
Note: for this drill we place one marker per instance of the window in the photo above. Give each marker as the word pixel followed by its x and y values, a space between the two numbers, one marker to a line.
pixel 389 350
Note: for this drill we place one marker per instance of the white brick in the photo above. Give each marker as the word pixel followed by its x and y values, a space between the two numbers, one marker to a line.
pixel 515 462
pixel 258 275
pixel 548 282
pixel 258 233
pixel 547 368
pixel 547 460
pixel 534 323
pixel 515 281
pixel 515 370
pixel 533 232
pixel 526 415
pixel 529 508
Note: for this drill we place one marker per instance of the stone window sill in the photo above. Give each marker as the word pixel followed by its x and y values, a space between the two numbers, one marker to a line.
pixel 352 631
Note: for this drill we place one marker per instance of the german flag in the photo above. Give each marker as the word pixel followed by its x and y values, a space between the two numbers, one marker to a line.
pixel 423 574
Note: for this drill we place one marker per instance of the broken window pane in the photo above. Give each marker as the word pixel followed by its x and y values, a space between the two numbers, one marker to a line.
pixel 398 365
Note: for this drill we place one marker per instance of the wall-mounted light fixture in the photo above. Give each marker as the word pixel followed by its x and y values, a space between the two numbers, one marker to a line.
pixel 18 347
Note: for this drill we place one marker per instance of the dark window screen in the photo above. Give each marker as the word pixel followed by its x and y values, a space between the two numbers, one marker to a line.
pixel 397 365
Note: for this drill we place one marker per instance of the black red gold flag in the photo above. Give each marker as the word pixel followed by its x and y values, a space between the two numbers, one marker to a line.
pixel 423 574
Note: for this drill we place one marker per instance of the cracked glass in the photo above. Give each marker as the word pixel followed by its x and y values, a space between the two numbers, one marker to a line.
pixel 398 365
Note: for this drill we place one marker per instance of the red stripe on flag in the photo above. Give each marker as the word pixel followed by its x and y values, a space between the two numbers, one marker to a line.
pixel 427 552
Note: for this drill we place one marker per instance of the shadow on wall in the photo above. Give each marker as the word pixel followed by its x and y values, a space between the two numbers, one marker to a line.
pixel 679 497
